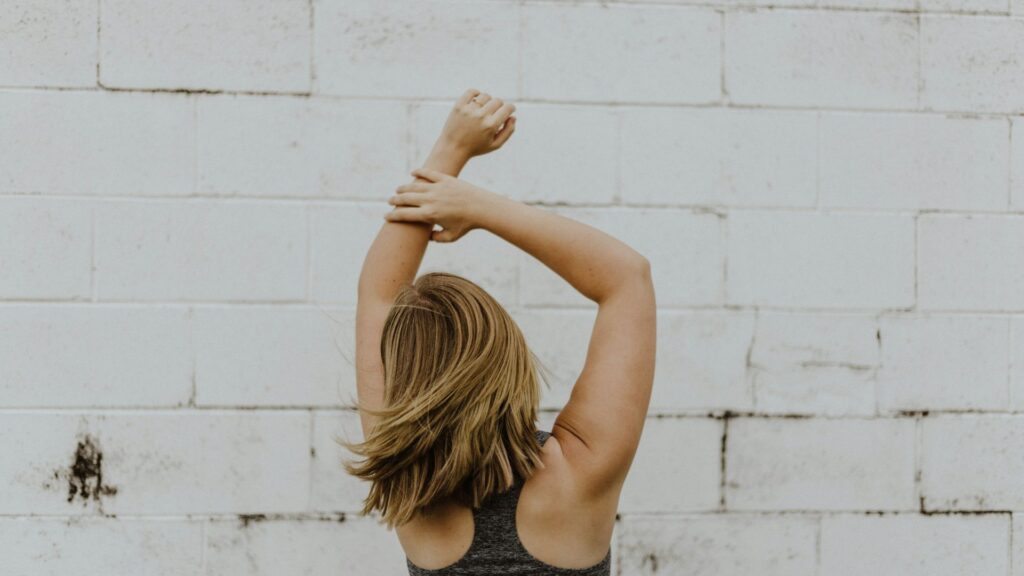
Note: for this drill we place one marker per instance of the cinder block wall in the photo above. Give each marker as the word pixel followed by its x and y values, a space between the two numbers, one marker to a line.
pixel 829 193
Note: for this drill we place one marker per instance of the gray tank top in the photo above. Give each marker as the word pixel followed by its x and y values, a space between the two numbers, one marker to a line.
pixel 496 548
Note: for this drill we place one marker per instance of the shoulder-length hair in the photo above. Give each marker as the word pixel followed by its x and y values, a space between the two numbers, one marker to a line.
pixel 461 397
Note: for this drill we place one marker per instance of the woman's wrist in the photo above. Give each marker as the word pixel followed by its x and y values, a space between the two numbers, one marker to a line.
pixel 447 157
pixel 487 208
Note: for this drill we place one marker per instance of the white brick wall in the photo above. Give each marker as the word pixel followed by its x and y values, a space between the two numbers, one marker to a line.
pixel 831 193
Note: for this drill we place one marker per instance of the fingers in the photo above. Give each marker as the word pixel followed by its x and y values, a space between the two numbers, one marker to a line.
pixel 406 200
pixel 492 105
pixel 414 186
pixel 505 133
pixel 443 236
pixel 405 215
pixel 466 97
pixel 428 174
pixel 481 98
pixel 502 113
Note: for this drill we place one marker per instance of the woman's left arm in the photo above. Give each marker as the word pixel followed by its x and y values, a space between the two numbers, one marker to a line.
pixel 476 125
pixel 392 260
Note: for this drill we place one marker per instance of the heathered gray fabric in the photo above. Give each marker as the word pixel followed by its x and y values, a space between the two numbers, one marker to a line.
pixel 496 548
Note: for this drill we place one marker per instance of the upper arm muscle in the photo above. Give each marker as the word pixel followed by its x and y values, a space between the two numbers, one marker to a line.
pixel 599 429
pixel 371 314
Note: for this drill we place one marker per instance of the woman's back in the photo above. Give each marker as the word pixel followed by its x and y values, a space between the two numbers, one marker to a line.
pixel 538 527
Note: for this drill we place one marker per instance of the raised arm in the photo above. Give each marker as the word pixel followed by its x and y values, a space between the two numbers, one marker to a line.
pixel 476 125
pixel 599 428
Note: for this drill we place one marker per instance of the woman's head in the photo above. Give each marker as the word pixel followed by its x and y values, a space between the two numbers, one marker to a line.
pixel 460 401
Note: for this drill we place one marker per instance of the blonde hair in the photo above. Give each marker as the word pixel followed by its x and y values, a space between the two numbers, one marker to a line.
pixel 461 396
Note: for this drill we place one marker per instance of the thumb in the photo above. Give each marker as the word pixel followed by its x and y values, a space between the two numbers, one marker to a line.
pixel 442 236
pixel 506 131
pixel 428 174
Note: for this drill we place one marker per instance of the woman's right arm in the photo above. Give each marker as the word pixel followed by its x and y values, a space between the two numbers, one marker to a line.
pixel 599 429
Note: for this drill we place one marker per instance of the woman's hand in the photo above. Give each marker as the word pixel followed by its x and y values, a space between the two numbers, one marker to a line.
pixel 440 199
pixel 478 123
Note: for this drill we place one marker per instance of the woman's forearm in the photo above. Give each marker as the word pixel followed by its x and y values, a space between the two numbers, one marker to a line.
pixel 592 261
pixel 396 253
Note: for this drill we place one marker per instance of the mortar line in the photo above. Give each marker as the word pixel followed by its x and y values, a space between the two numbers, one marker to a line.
pixel 312 46
pixel 342 515
pixel 1009 551
pixel 206 545
pixel 520 46
pixel 723 458
pixel 195 144
pixel 917 242
pixel 92 256
pixel 1011 337
pixel 817 160
pixel 99 36
pixel 723 87
pixel 1009 165
pixel 918 461
pixel 817 544
pixel 718 210
pixel 345 306
pixel 751 371
pixel 762 8
pixel 193 355
pixel 411 151
pixel 312 457
pixel 309 252
pixel 918 69
pixel 724 235
pixel 730 105
pixel 257 409
pixel 617 150
pixel 878 370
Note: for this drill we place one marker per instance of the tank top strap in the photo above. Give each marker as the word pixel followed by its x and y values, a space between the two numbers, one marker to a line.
pixel 542 436
pixel 496 519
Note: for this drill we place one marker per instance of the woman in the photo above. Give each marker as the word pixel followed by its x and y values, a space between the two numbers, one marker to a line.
pixel 448 389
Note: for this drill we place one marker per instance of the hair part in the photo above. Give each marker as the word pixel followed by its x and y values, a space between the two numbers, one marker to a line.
pixel 461 397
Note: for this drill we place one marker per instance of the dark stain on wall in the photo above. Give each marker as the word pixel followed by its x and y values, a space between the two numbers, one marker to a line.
pixel 247 519
pixel 85 476
pixel 651 560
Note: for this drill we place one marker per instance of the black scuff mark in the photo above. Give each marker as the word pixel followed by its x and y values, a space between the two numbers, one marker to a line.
pixel 650 559
pixel 247 519
pixel 85 476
